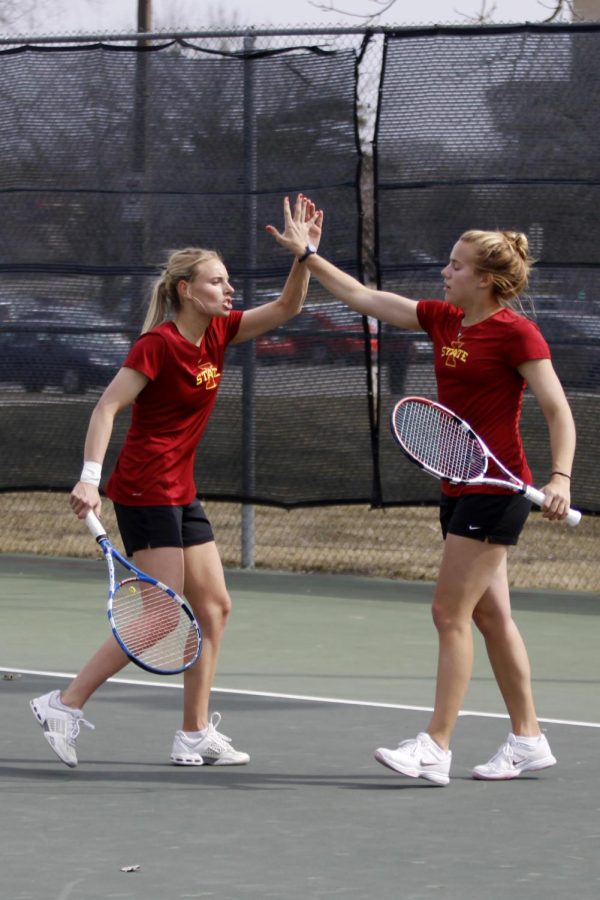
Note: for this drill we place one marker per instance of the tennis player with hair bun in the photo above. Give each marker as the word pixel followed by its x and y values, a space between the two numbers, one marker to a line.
pixel 171 377
pixel 485 354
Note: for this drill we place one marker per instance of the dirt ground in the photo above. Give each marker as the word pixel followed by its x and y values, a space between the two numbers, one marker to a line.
pixel 393 543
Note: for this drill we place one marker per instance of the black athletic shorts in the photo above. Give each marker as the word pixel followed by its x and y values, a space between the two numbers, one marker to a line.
pixel 142 527
pixel 497 518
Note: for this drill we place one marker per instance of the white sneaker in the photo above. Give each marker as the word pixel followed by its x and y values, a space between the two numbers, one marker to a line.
pixel 61 725
pixel 213 749
pixel 514 757
pixel 420 757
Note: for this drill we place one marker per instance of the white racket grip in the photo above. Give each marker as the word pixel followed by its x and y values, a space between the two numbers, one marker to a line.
pixel 538 497
pixel 95 526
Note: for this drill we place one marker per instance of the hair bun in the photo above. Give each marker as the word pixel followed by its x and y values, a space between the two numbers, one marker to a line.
pixel 519 242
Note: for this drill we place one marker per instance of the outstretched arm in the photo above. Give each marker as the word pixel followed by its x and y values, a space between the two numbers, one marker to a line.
pixel 291 300
pixel 388 307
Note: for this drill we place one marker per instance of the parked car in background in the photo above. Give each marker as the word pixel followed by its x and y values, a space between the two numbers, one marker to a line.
pixel 332 334
pixel 322 334
pixel 574 341
pixel 53 352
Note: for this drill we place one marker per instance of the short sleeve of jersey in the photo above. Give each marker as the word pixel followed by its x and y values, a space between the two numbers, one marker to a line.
pixel 150 349
pixel 526 342
pixel 433 311
pixel 147 355
pixel 233 322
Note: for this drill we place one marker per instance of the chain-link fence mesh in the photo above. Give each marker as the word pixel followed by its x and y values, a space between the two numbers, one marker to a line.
pixel 112 154
pixel 402 542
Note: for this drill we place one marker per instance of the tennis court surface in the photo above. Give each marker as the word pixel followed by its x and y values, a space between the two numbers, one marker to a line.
pixel 316 672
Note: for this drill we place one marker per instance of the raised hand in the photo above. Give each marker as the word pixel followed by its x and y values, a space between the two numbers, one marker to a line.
pixel 314 217
pixel 301 227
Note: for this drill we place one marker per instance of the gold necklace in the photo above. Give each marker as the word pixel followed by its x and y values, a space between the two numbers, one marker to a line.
pixel 459 336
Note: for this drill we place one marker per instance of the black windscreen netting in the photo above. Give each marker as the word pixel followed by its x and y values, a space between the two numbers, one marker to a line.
pixel 494 129
pixel 109 158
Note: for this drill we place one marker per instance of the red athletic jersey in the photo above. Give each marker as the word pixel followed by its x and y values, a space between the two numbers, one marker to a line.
pixel 156 464
pixel 477 378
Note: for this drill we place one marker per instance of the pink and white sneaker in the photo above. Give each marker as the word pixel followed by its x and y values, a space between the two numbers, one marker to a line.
pixel 515 757
pixel 419 757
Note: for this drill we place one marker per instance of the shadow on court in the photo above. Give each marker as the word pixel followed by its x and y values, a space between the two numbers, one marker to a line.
pixel 313 816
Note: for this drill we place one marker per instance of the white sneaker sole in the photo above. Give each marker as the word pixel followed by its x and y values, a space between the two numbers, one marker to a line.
pixel 535 766
pixel 438 778
pixel 220 761
pixel 183 760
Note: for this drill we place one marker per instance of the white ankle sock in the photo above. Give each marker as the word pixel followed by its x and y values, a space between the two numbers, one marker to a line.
pixel 528 741
pixel 62 705
pixel 196 735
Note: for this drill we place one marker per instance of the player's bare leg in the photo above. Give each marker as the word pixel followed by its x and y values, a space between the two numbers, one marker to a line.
pixel 507 653
pixel 164 563
pixel 467 569
pixel 206 592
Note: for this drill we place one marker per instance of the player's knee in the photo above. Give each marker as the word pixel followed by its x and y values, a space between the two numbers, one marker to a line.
pixel 444 618
pixel 482 620
pixel 219 606
pixel 212 609
pixel 224 603
pixel 490 621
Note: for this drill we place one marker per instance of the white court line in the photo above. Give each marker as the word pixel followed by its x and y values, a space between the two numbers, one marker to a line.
pixel 300 697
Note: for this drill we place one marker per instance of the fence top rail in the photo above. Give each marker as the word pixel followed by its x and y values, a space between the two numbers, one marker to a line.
pixel 146 36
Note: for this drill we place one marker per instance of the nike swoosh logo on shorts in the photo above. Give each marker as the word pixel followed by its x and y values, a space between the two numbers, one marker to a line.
pixel 474 527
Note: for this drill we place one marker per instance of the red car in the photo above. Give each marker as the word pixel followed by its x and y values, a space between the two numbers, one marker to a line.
pixel 323 334
pixel 332 334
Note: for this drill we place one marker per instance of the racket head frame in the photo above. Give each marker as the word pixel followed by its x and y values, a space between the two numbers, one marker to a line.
pixel 511 482
pixel 486 453
pixel 111 553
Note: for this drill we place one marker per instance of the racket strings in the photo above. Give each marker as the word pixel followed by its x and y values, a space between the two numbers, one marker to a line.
pixel 439 441
pixel 153 626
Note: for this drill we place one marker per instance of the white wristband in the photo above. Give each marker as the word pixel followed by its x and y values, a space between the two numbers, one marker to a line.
pixel 91 473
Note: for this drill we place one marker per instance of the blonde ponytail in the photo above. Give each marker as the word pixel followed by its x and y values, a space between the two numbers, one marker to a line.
pixel 158 306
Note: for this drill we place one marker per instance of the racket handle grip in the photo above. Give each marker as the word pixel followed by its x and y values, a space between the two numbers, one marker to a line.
pixel 573 516
pixel 95 526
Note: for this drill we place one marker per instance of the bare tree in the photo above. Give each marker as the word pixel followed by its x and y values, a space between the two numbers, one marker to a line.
pixel 17 13
pixel 559 8
pixel 381 6
pixel 487 9
pixel 484 14
pixel 556 10
pixel 176 16
pixel 23 16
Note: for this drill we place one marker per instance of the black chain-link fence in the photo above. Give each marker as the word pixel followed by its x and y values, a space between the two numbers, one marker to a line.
pixel 495 128
pixel 113 153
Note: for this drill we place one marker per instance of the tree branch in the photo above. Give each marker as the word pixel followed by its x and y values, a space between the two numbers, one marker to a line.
pixel 481 18
pixel 367 18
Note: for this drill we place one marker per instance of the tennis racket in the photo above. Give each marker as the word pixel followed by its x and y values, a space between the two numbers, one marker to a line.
pixel 446 446
pixel 151 623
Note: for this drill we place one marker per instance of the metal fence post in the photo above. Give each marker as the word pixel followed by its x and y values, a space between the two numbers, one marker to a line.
pixel 249 355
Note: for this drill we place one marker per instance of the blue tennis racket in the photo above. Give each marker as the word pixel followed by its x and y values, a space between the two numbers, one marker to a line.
pixel 151 623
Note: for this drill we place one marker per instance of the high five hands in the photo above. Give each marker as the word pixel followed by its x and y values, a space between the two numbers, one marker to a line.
pixel 301 227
